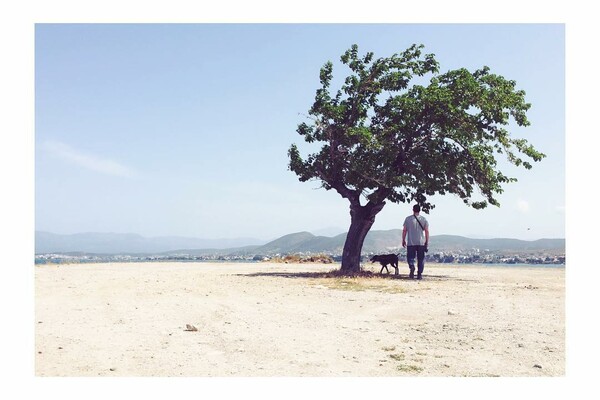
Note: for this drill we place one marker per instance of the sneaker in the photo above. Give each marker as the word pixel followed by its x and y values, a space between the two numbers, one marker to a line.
pixel 411 276
pixel 419 277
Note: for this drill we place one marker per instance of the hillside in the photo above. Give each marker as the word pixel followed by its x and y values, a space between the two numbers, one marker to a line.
pixel 391 240
pixel 300 242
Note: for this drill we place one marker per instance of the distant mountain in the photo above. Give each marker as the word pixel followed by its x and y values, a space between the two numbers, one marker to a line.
pixel 450 242
pixel 391 241
pixel 116 243
pixel 300 242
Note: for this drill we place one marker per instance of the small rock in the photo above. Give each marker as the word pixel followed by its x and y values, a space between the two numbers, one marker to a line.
pixel 520 345
pixel 451 312
pixel 111 369
pixel 537 366
pixel 191 328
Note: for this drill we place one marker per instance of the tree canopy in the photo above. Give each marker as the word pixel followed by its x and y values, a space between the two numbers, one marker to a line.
pixel 386 138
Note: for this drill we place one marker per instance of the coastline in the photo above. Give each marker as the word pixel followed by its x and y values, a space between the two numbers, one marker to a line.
pixel 262 319
pixel 244 261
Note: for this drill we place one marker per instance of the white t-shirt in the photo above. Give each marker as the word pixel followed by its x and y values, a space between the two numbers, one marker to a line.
pixel 415 235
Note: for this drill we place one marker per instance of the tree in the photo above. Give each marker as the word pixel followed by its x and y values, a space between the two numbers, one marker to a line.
pixel 385 138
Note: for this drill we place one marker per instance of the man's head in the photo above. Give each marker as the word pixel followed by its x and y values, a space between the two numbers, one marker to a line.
pixel 416 208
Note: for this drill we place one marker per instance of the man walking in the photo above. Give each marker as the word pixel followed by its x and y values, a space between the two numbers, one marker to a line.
pixel 417 229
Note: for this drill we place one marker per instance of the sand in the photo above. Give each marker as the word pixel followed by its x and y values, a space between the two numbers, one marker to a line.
pixel 272 320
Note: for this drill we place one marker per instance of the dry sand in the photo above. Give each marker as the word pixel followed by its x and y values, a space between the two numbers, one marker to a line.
pixel 129 319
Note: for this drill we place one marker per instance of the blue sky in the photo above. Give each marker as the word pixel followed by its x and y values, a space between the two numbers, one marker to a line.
pixel 181 129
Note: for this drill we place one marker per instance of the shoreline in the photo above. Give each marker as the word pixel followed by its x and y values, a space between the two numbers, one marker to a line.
pixel 334 264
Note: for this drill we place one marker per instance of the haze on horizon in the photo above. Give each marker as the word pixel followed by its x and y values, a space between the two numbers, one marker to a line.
pixel 183 130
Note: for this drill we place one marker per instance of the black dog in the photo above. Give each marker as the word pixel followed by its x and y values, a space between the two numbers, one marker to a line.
pixel 386 259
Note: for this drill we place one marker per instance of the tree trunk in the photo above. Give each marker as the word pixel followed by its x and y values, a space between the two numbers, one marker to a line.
pixel 362 219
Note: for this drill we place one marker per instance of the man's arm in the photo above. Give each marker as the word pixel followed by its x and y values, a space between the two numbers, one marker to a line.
pixel 426 236
pixel 404 237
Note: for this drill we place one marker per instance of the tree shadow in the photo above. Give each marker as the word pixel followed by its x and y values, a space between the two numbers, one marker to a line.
pixel 363 274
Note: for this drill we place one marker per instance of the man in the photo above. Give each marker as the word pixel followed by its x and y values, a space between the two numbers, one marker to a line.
pixel 417 229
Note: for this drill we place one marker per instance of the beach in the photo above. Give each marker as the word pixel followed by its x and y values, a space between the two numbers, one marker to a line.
pixel 270 320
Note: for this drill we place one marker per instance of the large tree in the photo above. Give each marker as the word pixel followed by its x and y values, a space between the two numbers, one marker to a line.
pixel 385 138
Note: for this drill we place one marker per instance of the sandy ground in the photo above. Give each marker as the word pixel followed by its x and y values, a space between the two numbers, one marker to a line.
pixel 269 320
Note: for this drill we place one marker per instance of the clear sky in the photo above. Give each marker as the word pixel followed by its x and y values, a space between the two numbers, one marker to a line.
pixel 183 129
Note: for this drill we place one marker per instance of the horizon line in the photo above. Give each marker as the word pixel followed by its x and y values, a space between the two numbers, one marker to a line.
pixel 287 234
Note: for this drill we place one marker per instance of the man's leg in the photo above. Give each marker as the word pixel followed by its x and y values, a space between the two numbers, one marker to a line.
pixel 420 260
pixel 411 252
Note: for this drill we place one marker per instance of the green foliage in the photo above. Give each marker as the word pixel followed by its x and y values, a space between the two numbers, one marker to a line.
pixel 385 138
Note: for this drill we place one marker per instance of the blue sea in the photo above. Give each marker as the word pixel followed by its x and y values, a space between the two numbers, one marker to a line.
pixel 499 265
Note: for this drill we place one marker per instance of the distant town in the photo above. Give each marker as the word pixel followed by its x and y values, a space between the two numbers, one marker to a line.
pixel 473 256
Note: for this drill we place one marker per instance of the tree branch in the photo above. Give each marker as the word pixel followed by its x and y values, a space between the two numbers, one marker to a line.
pixel 352 195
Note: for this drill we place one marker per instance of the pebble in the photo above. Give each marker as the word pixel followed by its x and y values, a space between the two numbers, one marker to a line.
pixel 537 366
